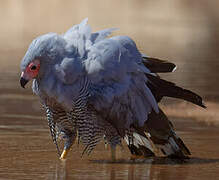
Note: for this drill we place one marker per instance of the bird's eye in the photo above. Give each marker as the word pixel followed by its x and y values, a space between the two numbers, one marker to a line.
pixel 33 67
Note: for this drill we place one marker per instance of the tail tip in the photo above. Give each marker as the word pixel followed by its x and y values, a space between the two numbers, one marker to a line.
pixel 203 104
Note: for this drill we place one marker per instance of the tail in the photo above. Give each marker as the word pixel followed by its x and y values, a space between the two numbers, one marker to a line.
pixel 164 137
pixel 175 148
pixel 139 145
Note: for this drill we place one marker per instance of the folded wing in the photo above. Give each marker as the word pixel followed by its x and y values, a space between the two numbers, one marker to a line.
pixel 119 89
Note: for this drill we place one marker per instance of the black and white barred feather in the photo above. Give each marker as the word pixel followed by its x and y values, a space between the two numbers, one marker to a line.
pixel 82 121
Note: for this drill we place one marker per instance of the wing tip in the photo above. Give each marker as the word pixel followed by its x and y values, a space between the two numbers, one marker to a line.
pixel 174 69
pixel 203 105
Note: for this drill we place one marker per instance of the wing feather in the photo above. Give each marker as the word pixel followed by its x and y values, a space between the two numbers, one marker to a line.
pixel 119 91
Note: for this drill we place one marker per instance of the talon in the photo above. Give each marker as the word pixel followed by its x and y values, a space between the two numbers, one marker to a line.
pixel 64 154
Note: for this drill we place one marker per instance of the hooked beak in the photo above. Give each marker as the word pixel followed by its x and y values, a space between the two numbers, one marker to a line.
pixel 23 80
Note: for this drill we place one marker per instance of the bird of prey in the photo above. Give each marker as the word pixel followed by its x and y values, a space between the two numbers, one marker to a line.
pixel 93 86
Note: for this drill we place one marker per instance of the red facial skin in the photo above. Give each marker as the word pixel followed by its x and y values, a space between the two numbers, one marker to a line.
pixel 31 70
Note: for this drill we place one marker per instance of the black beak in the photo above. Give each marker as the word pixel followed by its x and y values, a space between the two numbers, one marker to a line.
pixel 23 82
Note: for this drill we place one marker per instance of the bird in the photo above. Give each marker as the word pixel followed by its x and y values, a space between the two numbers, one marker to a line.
pixel 96 87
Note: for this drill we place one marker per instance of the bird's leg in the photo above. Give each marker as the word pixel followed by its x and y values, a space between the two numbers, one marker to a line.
pixel 67 146
pixel 64 154
pixel 105 141
pixel 70 139
pixel 113 153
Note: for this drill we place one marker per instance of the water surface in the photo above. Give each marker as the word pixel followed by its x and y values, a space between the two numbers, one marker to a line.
pixel 28 153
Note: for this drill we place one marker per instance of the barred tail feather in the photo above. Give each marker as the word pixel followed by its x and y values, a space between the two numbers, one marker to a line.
pixel 163 135
pixel 174 148
pixel 139 145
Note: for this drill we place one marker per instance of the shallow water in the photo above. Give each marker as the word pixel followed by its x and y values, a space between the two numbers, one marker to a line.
pixel 28 153
pixel 183 31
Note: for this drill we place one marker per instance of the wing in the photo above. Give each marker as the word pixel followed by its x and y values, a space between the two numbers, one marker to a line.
pixel 118 83
pixel 161 88
pixel 158 66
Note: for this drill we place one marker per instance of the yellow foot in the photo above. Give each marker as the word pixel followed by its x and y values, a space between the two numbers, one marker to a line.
pixel 64 154
pixel 134 157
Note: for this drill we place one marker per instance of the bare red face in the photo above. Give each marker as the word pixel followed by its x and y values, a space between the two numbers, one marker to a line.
pixel 30 72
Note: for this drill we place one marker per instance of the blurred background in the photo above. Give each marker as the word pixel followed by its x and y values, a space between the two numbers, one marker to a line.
pixel 183 32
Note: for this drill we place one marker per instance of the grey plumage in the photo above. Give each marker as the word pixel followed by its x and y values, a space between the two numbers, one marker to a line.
pixel 92 86
pixel 99 81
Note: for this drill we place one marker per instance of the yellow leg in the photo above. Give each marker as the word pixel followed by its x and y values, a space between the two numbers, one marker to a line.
pixel 64 154
pixel 113 153
pixel 67 146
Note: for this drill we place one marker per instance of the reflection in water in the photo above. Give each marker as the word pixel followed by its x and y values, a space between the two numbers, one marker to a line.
pixel 136 173
pixel 29 153
pixel 155 168
pixel 112 173
pixel 60 173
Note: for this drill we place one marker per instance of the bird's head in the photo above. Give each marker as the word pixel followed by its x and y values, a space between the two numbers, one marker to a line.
pixel 42 53
pixel 30 72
